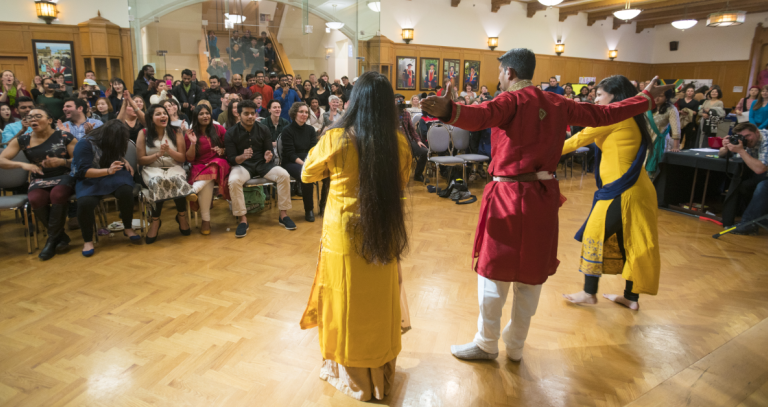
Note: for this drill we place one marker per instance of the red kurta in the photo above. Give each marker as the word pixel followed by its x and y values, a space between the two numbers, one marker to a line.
pixel 516 237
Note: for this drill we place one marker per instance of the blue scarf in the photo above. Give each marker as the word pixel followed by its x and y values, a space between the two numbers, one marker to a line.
pixel 654 158
pixel 615 188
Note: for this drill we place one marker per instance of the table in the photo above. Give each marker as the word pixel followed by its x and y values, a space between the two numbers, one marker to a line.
pixel 679 178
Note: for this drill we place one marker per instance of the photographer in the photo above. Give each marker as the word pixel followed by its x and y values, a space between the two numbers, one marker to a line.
pixel 751 145
pixel 53 98
pixel 90 91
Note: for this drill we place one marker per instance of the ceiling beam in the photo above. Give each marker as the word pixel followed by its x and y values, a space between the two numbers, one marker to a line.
pixel 678 12
pixel 600 4
pixel 534 6
pixel 754 7
pixel 671 7
pixel 455 3
pixel 648 5
pixel 496 4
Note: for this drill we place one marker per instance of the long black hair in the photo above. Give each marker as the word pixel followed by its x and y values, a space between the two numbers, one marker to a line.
pixel 668 94
pixel 151 134
pixel 231 119
pixel 371 122
pixel 210 131
pixel 112 139
pixel 621 88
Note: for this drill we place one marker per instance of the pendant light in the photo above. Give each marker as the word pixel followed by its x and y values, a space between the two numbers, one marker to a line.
pixel 627 13
pixel 334 25
pixel 685 23
pixel 550 3
pixel 375 6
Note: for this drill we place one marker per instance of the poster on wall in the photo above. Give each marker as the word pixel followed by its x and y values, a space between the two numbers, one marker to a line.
pixel 452 70
pixel 52 57
pixel 471 75
pixel 406 73
pixel 430 77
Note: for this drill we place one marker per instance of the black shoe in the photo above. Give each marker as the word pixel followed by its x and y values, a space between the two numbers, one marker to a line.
pixel 185 232
pixel 309 216
pixel 56 220
pixel 418 178
pixel 750 230
pixel 150 240
pixel 242 230
pixel 287 223
pixel 63 245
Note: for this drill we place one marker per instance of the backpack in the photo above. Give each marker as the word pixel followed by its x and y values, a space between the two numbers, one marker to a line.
pixel 457 190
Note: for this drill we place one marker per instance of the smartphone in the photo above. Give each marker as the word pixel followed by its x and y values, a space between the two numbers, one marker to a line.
pixel 169 83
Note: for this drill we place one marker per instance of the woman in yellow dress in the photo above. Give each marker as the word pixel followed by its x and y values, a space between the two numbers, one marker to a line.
pixel 620 236
pixel 355 298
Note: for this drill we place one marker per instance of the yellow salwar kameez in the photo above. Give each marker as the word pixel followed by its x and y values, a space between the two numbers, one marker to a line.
pixel 355 305
pixel 600 255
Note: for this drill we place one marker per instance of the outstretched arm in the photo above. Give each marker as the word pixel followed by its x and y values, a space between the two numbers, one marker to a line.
pixel 472 118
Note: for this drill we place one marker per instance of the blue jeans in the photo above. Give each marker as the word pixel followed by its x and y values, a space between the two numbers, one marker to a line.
pixel 758 205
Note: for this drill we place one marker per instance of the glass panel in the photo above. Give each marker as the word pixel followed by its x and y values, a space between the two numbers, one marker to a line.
pixel 115 64
pixel 101 71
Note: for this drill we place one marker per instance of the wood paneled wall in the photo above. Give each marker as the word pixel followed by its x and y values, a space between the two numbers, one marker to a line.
pixel 16 48
pixel 727 74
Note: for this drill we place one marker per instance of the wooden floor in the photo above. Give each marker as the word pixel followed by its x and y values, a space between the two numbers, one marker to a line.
pixel 214 320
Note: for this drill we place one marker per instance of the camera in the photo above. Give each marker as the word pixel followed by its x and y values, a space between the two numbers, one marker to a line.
pixel 52 85
pixel 735 139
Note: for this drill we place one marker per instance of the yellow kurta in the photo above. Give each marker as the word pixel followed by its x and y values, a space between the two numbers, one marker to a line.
pixel 600 255
pixel 355 305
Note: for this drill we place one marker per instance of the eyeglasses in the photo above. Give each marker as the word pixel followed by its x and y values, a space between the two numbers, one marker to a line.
pixel 35 116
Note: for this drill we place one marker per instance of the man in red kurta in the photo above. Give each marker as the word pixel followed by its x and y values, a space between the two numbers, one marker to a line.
pixel 516 237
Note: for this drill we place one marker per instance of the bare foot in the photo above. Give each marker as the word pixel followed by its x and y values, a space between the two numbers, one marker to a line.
pixel 581 298
pixel 619 299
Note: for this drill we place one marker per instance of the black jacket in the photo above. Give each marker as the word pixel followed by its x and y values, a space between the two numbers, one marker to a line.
pixel 238 140
pixel 141 88
pixel 297 141
pixel 214 96
pixel 195 95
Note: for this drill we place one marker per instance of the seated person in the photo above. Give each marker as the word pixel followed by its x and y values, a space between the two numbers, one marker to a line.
pixel 275 122
pixel 754 152
pixel 23 106
pixel 334 112
pixel 205 151
pixel 100 168
pixel 249 152
pixel 78 124
pixel 161 151
pixel 297 139
pixel 415 105
pixel 49 153
pixel 418 148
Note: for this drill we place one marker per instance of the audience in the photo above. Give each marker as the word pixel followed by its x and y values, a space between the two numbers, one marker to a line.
pixel 215 93
pixel 265 90
pixel 145 84
pixel 6 117
pixel 163 94
pixel 663 122
pixel 161 151
pixel 177 119
pixel 117 93
pixel 49 153
pixel 568 91
pixel 275 123
pixel 78 124
pixel 555 87
pixel 710 115
pixel 754 183
pixel 316 115
pixel 297 139
pixel 688 107
pixel 286 96
pixel 231 117
pixel 758 114
pixel 334 112
pixel 745 104
pixel 52 100
pixel 205 151
pixel 100 168
pixel 38 88
pixel 237 87
pixel 415 105
pixel 103 110
pixel 237 60
pixel 187 93
pixel 249 151
pixel 468 92
pixel 322 93
pixel 11 90
pixel 15 129
pixel 583 95
pixel 132 116
pixel 418 148
pixel 307 92
pixel 338 91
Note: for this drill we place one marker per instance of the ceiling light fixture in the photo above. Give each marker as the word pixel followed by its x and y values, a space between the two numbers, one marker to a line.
pixel 550 3
pixel 684 24
pixel 375 6
pixel 726 18
pixel 627 13
pixel 334 25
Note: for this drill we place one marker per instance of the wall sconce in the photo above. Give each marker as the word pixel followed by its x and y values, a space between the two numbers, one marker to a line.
pixel 559 48
pixel 493 42
pixel 407 35
pixel 46 10
pixel 613 54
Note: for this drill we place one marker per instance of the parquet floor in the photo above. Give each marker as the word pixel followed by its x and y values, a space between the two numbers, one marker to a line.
pixel 213 320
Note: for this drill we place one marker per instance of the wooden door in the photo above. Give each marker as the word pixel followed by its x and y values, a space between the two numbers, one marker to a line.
pixel 20 67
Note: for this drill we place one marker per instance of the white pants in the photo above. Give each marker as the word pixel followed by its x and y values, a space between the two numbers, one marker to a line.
pixel 204 191
pixel 239 176
pixel 492 296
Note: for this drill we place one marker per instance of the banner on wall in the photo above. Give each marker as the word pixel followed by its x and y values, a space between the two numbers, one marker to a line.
pixel 587 79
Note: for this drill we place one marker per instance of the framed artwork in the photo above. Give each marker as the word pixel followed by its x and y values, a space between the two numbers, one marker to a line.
pixel 429 74
pixel 452 70
pixel 52 57
pixel 406 73
pixel 471 75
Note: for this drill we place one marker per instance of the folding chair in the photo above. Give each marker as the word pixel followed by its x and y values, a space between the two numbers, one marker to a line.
pixel 460 139
pixel 16 178
pixel 440 142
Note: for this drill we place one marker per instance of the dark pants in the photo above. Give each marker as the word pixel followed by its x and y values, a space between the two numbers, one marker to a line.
pixel 181 206
pixel 613 226
pixel 753 190
pixel 689 133
pixel 87 204
pixel 421 157
pixel 306 189
pixel 58 195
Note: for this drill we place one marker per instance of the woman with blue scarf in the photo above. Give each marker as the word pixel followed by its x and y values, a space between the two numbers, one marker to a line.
pixel 620 235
